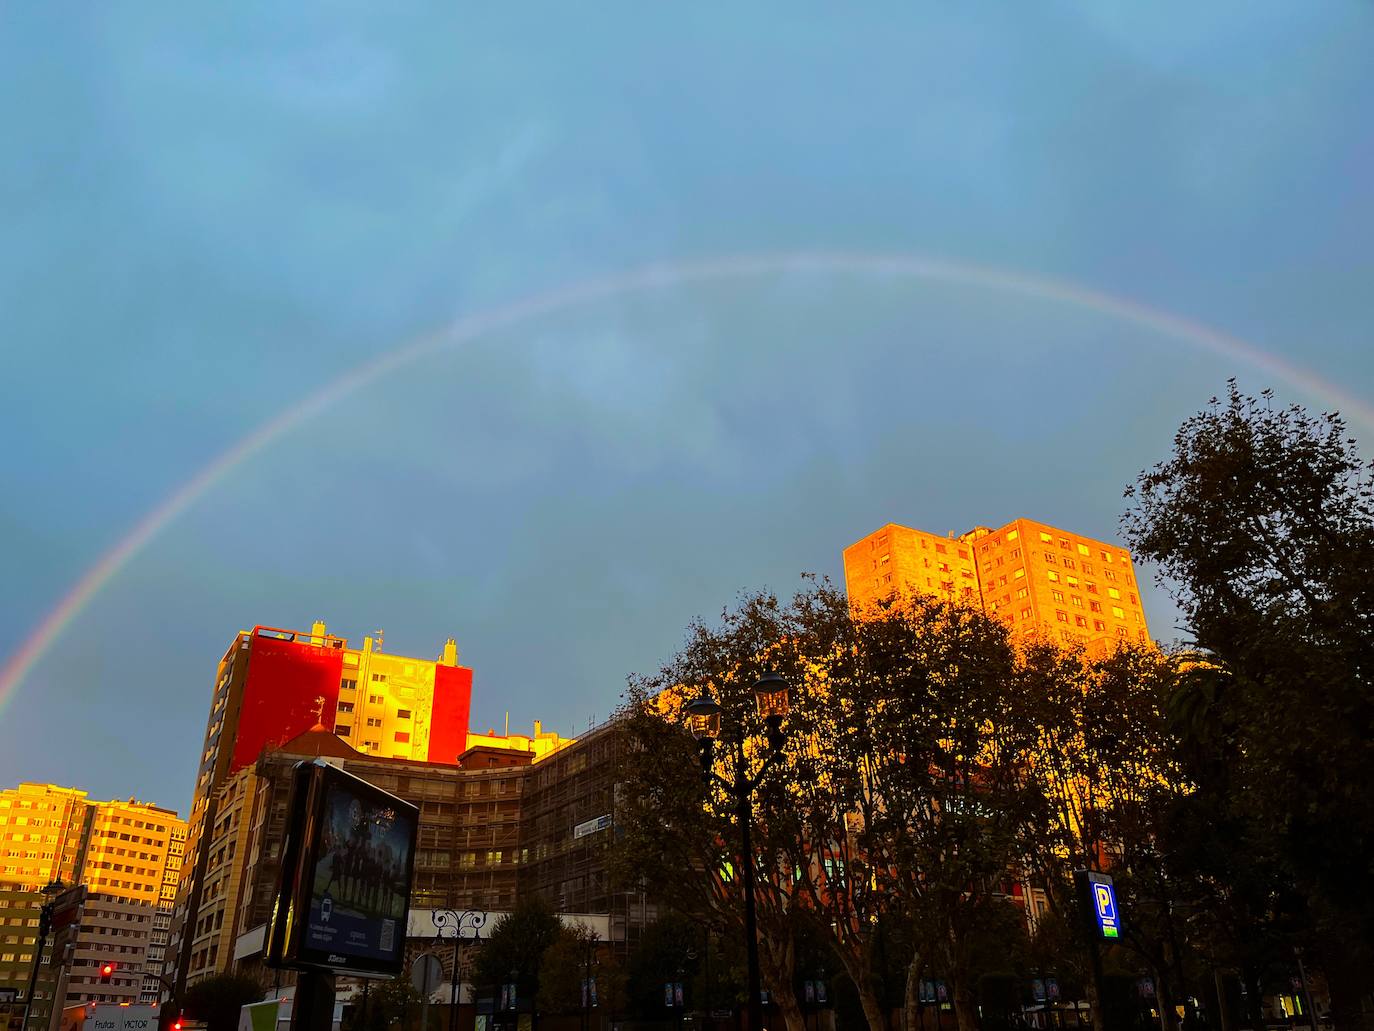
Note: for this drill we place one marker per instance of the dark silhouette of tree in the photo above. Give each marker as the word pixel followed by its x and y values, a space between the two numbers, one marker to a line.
pixel 218 999
pixel 518 942
pixel 1262 525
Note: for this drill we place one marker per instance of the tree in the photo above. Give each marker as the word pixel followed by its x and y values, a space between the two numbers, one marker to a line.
pixel 1262 524
pixel 387 1002
pixel 218 999
pixel 518 943
pixel 897 803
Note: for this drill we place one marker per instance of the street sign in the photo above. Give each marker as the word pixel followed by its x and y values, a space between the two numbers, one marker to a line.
pixel 1103 893
pixel 425 973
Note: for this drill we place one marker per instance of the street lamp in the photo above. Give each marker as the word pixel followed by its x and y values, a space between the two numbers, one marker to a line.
pixel 703 719
pixel 456 922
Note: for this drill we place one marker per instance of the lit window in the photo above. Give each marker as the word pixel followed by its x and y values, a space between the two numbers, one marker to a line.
pixel 1083 549
pixel 1053 576
pixel 1013 534
pixel 1018 574
pixel 1116 611
pixel 1113 593
pixel 1072 581
pixel 1044 537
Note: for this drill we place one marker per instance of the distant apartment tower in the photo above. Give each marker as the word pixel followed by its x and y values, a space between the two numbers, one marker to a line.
pixel 271 686
pixel 1037 578
pixel 126 853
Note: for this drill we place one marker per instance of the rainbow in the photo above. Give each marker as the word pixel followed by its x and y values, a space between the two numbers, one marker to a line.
pixel 657 276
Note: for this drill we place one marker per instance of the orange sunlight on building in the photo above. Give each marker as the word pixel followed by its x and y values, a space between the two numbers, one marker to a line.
pixel 1038 579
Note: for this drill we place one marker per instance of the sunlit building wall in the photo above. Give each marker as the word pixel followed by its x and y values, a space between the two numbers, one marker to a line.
pixel 270 687
pixel 1037 578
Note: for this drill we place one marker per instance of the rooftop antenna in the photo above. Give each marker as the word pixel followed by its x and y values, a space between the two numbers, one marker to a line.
pixel 381 636
pixel 507 734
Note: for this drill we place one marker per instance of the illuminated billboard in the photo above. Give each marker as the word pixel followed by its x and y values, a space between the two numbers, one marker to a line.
pixel 344 889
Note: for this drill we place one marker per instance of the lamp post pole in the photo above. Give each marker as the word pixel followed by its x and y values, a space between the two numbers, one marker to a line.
pixel 448 918
pixel 770 693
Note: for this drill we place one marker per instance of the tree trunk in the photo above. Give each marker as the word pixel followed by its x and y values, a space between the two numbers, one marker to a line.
pixel 965 1012
pixel 874 1012
pixel 1228 1022
pixel 911 997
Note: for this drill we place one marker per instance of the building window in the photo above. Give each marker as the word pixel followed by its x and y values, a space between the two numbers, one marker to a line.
pixel 374 721
pixel 1049 557
pixel 941 549
pixel 1064 543
pixel 348 685
pixel 1013 534
pixel 403 714
pixel 1099 625
pixel 1053 576
pixel 1080 621
pixel 1022 592
pixel 1026 613
pixel 1069 563
pixel 1083 550
pixel 342 731
pixel 1061 616
pixel 1116 611
pixel 1018 574
pixel 1072 581
pixel 1077 601
pixel 1113 593
pixel 1058 596
pixel 379 678
pixel 345 706
pixel 1096 606
pixel 374 699
pixel 403 737
pixel 1044 537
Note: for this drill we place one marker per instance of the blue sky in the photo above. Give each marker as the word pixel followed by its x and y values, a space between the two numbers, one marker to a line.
pixel 210 213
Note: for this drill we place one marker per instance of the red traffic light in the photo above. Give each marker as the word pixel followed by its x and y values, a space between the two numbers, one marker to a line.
pixel 106 972
pixel 177 1026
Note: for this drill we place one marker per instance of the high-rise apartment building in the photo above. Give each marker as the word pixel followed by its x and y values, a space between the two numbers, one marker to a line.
pixel 271 686
pixel 1037 578
pixel 126 853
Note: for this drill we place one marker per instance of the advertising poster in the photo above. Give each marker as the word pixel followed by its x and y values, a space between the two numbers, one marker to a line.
pixel 358 895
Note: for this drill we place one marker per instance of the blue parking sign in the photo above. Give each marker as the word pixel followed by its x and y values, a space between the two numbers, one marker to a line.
pixel 1104 904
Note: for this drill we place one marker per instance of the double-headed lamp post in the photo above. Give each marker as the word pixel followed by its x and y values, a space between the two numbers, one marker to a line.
pixel 703 715
pixel 447 920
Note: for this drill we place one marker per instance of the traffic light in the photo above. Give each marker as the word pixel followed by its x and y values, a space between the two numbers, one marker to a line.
pixel 176 1025
pixel 106 972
